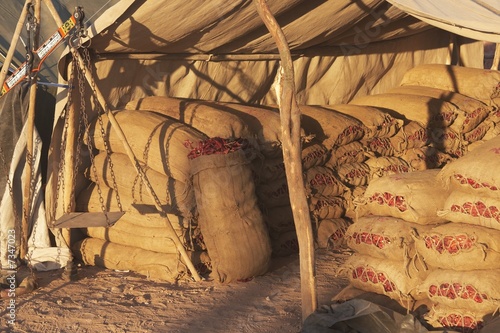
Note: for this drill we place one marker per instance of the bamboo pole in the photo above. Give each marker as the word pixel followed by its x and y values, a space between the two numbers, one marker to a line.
pixel 12 47
pixel 290 129
pixel 116 126
pixel 30 128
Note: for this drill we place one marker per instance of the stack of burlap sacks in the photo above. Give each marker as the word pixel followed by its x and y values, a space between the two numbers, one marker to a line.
pixel 432 236
pixel 140 241
pixel 213 209
pixel 345 147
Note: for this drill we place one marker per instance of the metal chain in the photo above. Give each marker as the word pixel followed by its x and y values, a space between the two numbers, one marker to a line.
pixel 142 173
pixel 81 86
pixel 9 184
pixel 86 54
pixel 29 254
pixel 79 140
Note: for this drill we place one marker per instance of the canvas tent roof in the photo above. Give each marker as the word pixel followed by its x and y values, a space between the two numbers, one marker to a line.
pixel 474 19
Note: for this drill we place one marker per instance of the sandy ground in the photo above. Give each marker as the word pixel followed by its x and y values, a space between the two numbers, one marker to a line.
pixel 108 301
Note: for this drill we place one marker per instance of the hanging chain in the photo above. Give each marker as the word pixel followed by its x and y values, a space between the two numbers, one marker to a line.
pixel 9 184
pixel 83 113
pixel 17 220
pixel 87 62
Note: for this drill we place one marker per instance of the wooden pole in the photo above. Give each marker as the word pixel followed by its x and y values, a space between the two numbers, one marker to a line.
pixel 496 58
pixel 291 140
pixel 12 47
pixel 30 128
pixel 69 163
pixel 116 126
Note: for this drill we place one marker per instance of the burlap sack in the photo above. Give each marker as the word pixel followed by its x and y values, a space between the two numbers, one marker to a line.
pixel 460 320
pixel 430 112
pixel 230 221
pixel 414 197
pixel 378 123
pixel 354 174
pixel 271 169
pixel 474 171
pixel 285 245
pixel 472 208
pixel 355 202
pixel 481 84
pixel 322 180
pixel 380 146
pixel 477 290
pixel 327 207
pixel 331 233
pixel 478 132
pixel 136 212
pixel 382 166
pixel 279 220
pixel 383 237
pixel 411 135
pixel 424 158
pixel 151 239
pixel 156 140
pixel 154 265
pixel 172 193
pixel 314 154
pixel 268 169
pixel 264 122
pixel 208 117
pixel 492 133
pixel 331 127
pixel 350 153
pixel 447 140
pixel 459 246
pixel 273 194
pixel 474 110
pixel 385 277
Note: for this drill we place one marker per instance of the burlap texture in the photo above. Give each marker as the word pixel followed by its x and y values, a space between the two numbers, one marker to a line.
pixel 116 167
pixel 230 221
pixel 477 290
pixel 430 112
pixel 481 84
pixel 378 123
pixel 156 140
pixel 414 197
pixel 459 246
pixel 154 265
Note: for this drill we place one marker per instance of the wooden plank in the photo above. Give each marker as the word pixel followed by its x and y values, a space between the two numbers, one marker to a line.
pixel 87 220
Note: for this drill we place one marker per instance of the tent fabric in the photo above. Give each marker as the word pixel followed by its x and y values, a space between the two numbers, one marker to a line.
pixel 341 49
pixel 218 28
pixel 222 51
pixel 478 19
pixel 41 255
pixel 327 79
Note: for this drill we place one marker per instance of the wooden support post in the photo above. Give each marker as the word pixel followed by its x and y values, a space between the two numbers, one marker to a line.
pixel 116 126
pixel 12 47
pixel 69 168
pixel 496 58
pixel 291 140
pixel 30 128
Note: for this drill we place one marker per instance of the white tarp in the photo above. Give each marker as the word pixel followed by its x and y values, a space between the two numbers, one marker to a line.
pixel 42 256
pixel 477 19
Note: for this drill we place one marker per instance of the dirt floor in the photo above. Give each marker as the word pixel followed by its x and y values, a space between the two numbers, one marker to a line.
pixel 110 301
